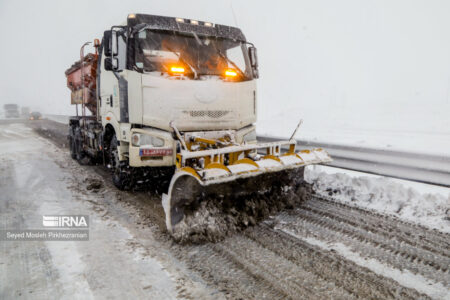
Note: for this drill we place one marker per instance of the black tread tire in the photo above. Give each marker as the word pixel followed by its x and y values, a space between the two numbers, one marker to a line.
pixel 72 141
pixel 72 149
pixel 78 147
pixel 72 144
pixel 120 178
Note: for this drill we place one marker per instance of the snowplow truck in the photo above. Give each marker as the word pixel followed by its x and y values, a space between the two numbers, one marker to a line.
pixel 165 96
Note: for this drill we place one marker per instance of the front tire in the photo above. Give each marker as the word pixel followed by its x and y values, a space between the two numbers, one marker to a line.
pixel 121 175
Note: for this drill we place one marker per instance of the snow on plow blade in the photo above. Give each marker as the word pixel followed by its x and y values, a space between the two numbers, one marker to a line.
pixel 239 178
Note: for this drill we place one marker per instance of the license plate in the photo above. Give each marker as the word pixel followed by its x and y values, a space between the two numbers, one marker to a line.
pixel 155 152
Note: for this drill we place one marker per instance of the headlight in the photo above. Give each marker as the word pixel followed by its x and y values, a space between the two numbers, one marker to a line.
pixel 138 139
pixel 135 139
pixel 250 137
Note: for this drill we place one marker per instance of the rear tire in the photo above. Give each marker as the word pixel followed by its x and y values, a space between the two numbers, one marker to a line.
pixel 78 147
pixel 72 150
pixel 121 176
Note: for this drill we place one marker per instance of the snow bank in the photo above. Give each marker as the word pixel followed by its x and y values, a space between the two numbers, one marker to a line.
pixel 383 194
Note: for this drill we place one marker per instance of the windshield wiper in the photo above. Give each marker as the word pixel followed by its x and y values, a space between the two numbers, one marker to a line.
pixel 231 62
pixel 220 53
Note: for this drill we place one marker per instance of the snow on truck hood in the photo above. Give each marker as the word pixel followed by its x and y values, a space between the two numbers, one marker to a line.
pixel 205 104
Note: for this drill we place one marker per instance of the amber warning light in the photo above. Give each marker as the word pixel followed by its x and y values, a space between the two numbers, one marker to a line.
pixel 176 70
pixel 230 73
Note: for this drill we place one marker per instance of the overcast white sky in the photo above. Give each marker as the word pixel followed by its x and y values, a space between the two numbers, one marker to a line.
pixel 369 64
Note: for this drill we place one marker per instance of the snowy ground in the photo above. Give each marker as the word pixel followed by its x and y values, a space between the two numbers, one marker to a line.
pixel 318 250
pixel 424 204
pixel 110 265
pixel 58 118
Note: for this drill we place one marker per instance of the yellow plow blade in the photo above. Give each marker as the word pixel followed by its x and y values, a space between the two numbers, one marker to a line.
pixel 232 184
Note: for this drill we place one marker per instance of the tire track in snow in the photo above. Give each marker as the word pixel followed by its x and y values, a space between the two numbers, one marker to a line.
pixel 415 234
pixel 357 280
pixel 404 277
pixel 305 223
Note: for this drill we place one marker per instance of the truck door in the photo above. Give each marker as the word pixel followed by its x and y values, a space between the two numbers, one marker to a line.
pixel 113 85
pixel 109 94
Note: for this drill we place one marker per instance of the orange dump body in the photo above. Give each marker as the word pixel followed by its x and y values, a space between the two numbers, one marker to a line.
pixel 75 84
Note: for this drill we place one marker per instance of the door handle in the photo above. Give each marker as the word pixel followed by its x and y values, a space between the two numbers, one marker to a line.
pixel 109 101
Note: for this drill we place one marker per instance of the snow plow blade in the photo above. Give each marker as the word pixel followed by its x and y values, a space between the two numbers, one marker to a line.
pixel 227 179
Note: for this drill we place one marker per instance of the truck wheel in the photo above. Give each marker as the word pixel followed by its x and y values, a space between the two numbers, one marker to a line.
pixel 72 149
pixel 73 154
pixel 78 146
pixel 121 178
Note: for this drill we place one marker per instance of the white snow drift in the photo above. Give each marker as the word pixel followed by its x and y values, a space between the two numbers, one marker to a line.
pixel 385 195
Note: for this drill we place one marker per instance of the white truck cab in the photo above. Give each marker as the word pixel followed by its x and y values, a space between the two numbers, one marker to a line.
pixel 158 73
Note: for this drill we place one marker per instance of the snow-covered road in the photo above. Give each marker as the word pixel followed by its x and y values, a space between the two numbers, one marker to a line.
pixel 323 249
pixel 38 179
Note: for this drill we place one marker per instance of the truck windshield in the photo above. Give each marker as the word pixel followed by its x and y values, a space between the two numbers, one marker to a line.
pixel 200 55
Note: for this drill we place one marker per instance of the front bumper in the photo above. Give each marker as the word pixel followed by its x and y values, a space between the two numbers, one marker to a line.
pixel 149 156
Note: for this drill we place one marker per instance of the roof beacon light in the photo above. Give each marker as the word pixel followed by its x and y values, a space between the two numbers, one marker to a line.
pixel 131 16
pixel 180 20
pixel 194 22
pixel 231 73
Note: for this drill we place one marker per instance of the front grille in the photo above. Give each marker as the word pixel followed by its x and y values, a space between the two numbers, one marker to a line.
pixel 207 113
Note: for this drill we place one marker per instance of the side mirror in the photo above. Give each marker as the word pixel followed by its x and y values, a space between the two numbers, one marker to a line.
pixel 111 44
pixel 111 64
pixel 107 42
pixel 253 55
pixel 114 47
